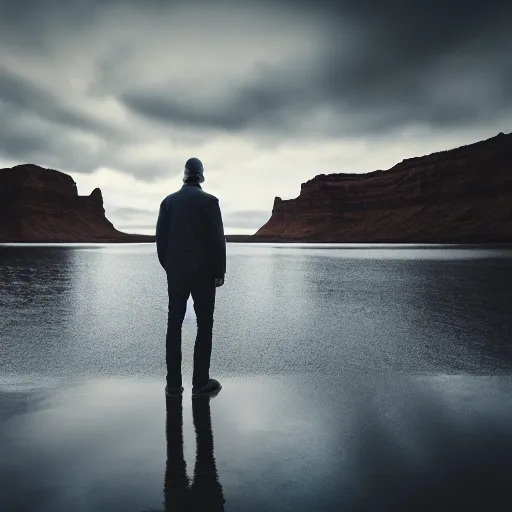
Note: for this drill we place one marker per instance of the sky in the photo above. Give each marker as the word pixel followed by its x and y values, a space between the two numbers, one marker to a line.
pixel 268 94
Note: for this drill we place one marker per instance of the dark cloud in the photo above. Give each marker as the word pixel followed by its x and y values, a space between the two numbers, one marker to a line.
pixel 39 127
pixel 29 97
pixel 441 64
pixel 352 68
pixel 19 143
pixel 46 145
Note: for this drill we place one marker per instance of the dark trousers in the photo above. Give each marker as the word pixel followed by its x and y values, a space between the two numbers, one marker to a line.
pixel 203 295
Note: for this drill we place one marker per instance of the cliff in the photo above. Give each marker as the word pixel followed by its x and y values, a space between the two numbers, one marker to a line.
pixel 43 205
pixel 462 195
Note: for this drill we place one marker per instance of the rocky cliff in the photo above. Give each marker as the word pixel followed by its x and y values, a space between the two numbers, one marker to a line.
pixel 463 195
pixel 43 205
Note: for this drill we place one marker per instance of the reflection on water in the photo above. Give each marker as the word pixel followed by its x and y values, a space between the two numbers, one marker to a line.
pixel 205 492
pixel 354 379
pixel 359 442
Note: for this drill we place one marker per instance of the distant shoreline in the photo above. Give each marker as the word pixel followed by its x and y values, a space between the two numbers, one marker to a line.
pixel 262 239
pixel 266 240
pixel 95 241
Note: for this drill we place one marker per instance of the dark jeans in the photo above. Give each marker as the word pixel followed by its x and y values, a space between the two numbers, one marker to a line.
pixel 203 295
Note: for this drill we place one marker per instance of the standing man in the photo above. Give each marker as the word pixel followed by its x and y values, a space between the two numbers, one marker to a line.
pixel 191 248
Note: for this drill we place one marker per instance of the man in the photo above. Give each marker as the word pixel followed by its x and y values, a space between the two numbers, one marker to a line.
pixel 191 248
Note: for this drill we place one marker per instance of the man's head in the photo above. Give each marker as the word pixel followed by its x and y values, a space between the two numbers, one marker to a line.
pixel 193 171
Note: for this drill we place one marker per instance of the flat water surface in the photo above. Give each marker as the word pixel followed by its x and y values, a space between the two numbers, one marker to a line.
pixel 102 311
pixel 355 378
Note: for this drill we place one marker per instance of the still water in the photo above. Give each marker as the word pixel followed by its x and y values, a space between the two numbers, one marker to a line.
pixel 362 377
pixel 101 311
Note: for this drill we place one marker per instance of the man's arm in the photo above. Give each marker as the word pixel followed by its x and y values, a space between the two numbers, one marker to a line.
pixel 162 234
pixel 218 239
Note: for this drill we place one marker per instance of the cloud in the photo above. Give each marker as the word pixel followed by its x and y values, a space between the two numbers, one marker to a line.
pixel 127 212
pixel 443 65
pixel 130 219
pixel 29 97
pixel 267 93
pixel 38 127
pixel 289 69
pixel 248 219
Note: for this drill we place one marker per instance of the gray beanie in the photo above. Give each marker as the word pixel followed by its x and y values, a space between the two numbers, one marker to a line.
pixel 193 171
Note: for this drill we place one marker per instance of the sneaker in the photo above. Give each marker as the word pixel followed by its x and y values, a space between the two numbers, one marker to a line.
pixel 172 392
pixel 211 389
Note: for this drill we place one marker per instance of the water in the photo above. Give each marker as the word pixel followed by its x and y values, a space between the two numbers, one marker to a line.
pixel 355 378
pixel 101 311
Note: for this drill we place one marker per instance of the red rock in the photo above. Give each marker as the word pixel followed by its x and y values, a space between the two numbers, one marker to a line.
pixel 463 195
pixel 43 205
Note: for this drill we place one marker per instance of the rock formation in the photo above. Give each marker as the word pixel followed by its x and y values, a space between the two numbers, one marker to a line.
pixel 43 205
pixel 463 195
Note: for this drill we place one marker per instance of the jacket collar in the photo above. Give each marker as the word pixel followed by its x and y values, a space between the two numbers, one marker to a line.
pixel 191 185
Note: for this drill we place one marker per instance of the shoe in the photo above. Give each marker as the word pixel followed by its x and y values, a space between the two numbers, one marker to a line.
pixel 211 389
pixel 173 392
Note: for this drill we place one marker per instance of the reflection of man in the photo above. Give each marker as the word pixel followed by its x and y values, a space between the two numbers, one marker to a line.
pixel 205 493
pixel 192 249
pixel 176 482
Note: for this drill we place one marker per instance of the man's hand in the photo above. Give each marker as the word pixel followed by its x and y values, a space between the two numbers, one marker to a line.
pixel 219 281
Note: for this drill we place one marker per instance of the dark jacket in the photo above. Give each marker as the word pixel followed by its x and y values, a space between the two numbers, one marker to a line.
pixel 190 238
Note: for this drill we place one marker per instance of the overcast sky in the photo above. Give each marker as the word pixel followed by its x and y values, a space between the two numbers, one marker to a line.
pixel 120 93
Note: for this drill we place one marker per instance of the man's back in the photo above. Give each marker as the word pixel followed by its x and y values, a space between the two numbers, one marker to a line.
pixel 192 249
pixel 190 236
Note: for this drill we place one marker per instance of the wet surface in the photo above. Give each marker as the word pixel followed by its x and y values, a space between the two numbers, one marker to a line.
pixel 362 442
pixel 354 378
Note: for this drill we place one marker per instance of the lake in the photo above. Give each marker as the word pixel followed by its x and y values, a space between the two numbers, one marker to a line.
pixel 362 377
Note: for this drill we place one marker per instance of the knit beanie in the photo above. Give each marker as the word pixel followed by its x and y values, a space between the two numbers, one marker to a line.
pixel 193 171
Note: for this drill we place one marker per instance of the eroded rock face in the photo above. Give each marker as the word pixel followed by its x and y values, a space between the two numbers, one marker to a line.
pixel 43 205
pixel 462 195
